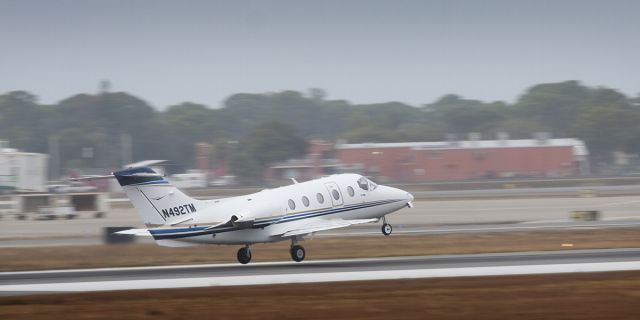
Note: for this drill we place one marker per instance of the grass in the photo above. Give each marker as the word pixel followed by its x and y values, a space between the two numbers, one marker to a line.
pixel 612 295
pixel 14 259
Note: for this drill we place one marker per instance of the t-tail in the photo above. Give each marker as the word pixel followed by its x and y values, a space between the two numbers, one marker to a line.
pixel 157 201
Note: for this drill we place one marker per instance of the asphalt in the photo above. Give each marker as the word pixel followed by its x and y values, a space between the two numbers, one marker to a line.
pixel 318 267
pixel 437 215
pixel 374 230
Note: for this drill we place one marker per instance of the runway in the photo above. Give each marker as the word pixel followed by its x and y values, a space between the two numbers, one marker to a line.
pixel 374 230
pixel 433 215
pixel 12 283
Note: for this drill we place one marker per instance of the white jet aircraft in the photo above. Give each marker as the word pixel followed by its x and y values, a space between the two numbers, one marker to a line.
pixel 286 213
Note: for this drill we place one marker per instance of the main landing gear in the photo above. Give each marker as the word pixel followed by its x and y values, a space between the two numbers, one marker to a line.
pixel 244 255
pixel 297 251
pixel 386 228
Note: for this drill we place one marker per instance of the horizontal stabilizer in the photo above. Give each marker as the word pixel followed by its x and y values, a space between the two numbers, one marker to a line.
pixel 325 225
pixel 145 163
pixel 135 232
pixel 93 177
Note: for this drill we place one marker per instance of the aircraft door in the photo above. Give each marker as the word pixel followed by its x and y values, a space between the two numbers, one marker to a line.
pixel 334 193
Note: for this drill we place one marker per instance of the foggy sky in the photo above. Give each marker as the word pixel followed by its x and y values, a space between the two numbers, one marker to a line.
pixel 167 52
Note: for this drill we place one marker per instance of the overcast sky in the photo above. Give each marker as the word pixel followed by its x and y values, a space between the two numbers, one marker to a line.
pixel 167 52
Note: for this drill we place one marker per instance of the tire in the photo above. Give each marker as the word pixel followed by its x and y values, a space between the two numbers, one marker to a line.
pixel 244 255
pixel 386 229
pixel 297 253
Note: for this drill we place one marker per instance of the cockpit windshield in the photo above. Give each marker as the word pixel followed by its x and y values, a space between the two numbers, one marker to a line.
pixel 362 183
pixel 366 184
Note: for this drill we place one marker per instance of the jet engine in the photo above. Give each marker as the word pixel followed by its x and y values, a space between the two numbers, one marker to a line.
pixel 242 221
pixel 246 218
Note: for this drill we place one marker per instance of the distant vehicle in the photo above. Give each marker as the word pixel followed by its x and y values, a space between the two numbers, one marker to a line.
pixel 287 213
pixel 190 179
pixel 7 190
pixel 7 207
pixel 223 181
pixel 54 212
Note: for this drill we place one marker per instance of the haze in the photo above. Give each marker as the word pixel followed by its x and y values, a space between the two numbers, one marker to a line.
pixel 168 52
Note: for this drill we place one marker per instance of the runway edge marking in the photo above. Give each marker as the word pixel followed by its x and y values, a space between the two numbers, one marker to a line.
pixel 321 277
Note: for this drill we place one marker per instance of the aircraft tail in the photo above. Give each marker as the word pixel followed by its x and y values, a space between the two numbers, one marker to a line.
pixel 157 201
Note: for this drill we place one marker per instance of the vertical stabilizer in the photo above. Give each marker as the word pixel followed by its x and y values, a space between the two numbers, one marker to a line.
pixel 156 200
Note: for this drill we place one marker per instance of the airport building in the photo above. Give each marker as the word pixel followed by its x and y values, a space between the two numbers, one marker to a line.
pixel 442 161
pixel 24 171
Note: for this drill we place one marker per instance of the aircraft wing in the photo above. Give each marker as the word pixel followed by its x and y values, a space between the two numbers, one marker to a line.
pixel 324 225
pixel 136 232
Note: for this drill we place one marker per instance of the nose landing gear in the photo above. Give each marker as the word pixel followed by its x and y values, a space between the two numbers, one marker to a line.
pixel 386 228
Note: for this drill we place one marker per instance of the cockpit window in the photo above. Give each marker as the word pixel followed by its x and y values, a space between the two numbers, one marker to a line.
pixel 363 183
pixel 366 184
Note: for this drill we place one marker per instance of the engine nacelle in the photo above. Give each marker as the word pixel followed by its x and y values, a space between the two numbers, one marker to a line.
pixel 242 220
pixel 247 216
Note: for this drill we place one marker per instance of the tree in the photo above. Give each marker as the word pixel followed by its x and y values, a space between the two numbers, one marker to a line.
pixel 609 128
pixel 21 121
pixel 268 143
pixel 556 106
pixel 605 118
pixel 462 116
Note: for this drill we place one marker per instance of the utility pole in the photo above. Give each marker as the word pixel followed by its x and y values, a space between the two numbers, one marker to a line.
pixel 54 153
pixel 126 149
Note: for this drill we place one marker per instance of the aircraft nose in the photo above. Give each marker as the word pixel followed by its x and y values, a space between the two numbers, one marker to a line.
pixel 410 197
pixel 409 200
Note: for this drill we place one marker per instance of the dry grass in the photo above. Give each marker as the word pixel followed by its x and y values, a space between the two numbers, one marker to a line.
pixel 395 245
pixel 568 296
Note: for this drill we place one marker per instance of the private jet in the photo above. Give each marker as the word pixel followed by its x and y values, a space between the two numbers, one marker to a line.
pixel 287 213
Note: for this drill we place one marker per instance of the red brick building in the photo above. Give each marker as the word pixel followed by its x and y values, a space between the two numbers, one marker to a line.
pixel 447 160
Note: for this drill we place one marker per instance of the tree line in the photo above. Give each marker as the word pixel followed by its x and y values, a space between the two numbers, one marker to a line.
pixel 274 126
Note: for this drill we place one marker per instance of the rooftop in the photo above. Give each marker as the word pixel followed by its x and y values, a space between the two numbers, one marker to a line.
pixel 578 145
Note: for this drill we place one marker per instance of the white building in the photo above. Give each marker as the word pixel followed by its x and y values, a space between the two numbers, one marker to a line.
pixel 191 179
pixel 23 171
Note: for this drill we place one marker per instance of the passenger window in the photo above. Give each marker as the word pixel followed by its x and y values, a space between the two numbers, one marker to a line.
pixel 305 201
pixel 320 198
pixel 292 204
pixel 363 183
pixel 351 191
pixel 335 194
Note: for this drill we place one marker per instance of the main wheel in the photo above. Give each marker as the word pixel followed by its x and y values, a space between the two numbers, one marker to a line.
pixel 244 255
pixel 297 253
pixel 386 229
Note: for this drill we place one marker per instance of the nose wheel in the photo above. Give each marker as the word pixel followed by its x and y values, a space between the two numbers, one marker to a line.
pixel 297 253
pixel 244 255
pixel 386 229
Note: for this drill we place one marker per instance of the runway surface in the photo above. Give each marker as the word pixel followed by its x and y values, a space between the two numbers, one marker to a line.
pixel 433 214
pixel 12 283
pixel 371 230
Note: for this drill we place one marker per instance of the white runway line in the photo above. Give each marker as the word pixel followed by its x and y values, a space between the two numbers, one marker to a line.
pixel 523 226
pixel 321 277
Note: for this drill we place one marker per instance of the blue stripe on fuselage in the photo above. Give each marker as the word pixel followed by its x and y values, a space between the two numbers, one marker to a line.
pixel 175 233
